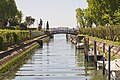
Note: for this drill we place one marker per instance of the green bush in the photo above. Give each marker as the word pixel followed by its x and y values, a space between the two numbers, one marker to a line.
pixel 111 33
pixel 1 43
pixel 10 37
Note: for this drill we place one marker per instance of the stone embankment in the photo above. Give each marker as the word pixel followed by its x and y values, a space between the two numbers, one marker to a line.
pixel 10 54
pixel 115 50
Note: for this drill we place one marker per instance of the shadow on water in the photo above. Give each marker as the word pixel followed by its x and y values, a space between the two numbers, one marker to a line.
pixel 89 67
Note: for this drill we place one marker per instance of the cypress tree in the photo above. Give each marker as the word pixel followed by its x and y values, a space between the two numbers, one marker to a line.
pixel 47 26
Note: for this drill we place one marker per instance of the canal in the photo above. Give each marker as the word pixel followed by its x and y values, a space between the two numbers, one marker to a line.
pixel 57 60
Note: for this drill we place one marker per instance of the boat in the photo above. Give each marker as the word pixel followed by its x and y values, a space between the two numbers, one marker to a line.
pixel 100 63
pixel 115 69
pixel 80 45
pixel 91 55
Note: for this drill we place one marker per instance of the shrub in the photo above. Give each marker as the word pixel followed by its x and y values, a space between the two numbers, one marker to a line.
pixel 10 37
pixel 104 32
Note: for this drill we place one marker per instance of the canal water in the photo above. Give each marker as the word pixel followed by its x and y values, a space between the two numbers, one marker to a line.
pixel 57 60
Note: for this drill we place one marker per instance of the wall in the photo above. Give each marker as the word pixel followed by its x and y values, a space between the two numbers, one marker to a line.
pixel 115 50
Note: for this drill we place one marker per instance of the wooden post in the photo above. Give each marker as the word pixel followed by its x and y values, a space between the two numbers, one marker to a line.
pixel 30 34
pixel 40 42
pixel 103 58
pixel 95 55
pixel 103 47
pixel 109 57
pixel 77 39
pixel 85 49
pixel 87 44
pixel 51 36
pixel 67 36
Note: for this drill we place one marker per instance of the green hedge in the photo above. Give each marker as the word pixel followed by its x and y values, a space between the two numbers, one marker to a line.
pixel 111 33
pixel 10 37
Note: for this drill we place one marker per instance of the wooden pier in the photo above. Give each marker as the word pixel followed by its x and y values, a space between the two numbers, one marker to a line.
pixel 114 69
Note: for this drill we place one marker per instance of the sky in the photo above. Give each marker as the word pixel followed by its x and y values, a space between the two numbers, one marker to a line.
pixel 59 13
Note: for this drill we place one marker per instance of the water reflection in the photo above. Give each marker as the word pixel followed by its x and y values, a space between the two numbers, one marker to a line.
pixel 57 60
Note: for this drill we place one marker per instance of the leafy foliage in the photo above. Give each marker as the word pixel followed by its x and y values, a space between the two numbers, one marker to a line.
pixel 29 20
pixel 111 33
pixel 10 37
pixel 9 11
pixel 100 13
pixel 80 17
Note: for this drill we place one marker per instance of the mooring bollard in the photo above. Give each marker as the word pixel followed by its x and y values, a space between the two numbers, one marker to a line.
pixel 40 42
pixel 67 37
pixel 109 58
pixel 103 58
pixel 95 55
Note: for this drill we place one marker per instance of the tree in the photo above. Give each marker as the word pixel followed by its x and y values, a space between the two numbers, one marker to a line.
pixel 23 26
pixel 8 10
pixel 40 24
pixel 11 8
pixel 29 20
pixel 47 25
pixel 80 17
pixel 114 5
pixel 19 16
pixel 88 18
pixel 100 13
pixel 1 24
pixel 17 20
pixel 96 10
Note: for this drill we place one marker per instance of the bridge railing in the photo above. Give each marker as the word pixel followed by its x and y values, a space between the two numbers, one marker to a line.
pixel 70 31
